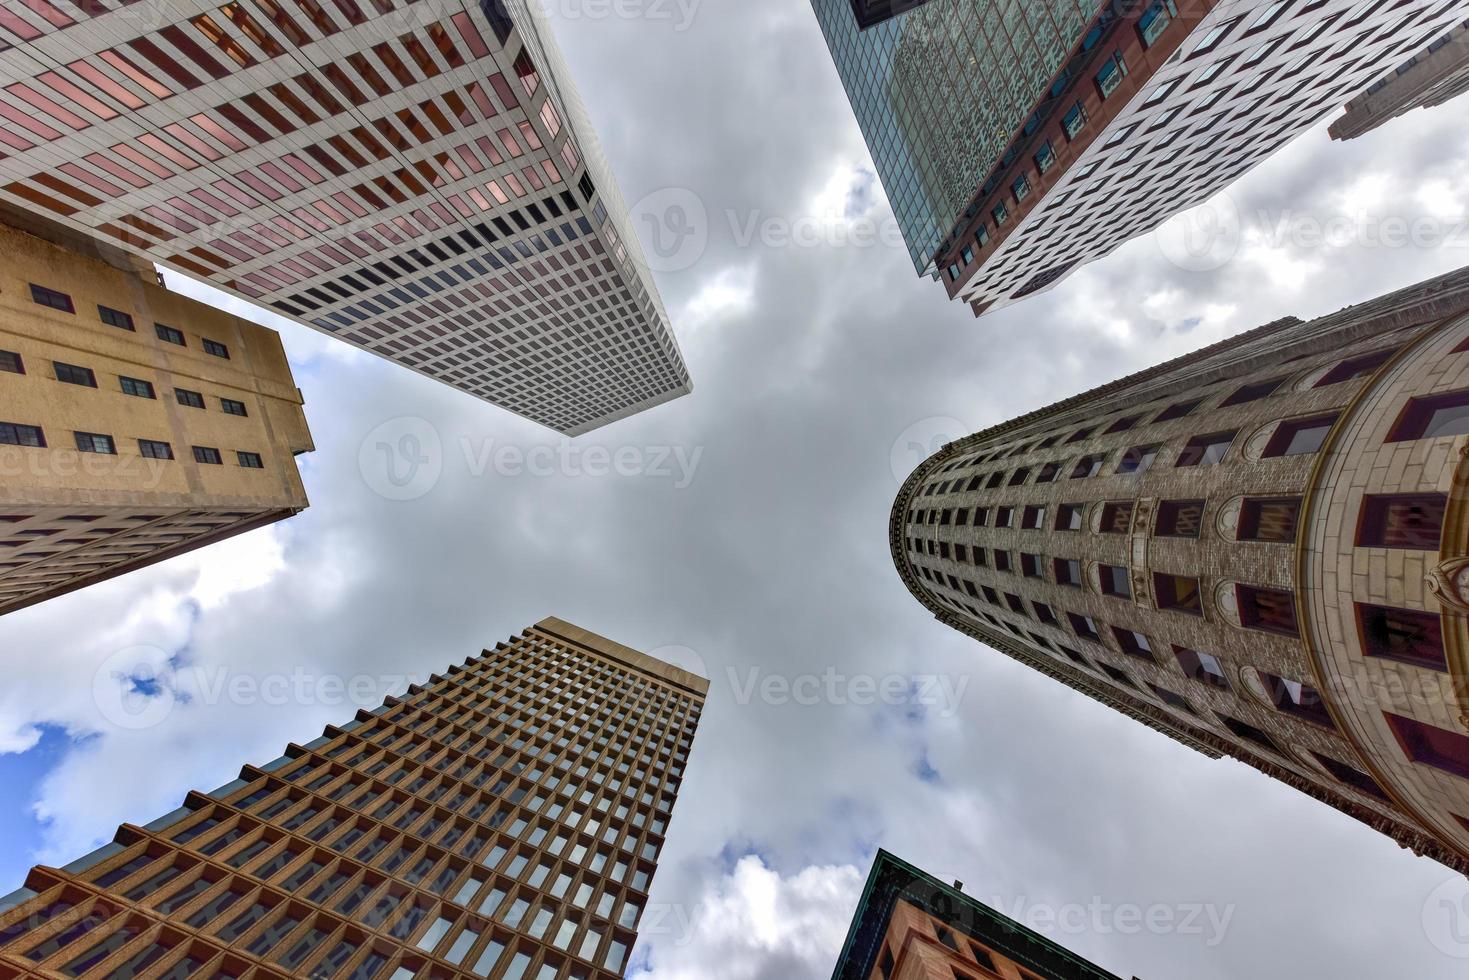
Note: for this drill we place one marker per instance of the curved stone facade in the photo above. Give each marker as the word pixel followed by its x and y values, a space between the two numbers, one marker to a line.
pixel 1259 549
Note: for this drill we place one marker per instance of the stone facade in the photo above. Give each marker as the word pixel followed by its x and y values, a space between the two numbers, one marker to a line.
pixel 503 820
pixel 198 433
pixel 1256 549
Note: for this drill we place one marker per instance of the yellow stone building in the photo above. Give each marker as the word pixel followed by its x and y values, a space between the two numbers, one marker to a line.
pixel 136 424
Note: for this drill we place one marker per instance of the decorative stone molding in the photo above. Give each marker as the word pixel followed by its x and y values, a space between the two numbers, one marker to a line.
pixel 1226 519
pixel 1449 583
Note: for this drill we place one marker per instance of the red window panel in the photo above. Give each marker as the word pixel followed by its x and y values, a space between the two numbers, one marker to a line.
pixel 351 11
pixel 243 123
pixel 290 227
pixel 170 219
pixel 318 17
pixel 93 181
pixel 551 118
pixel 461 206
pixel 347 202
pixel 533 177
pixel 311 255
pixel 332 255
pixel 437 117
pixel 353 247
pixel 61 187
pixel 32 125
pixel 528 133
pixel 145 227
pixel 308 172
pixel 239 194
pixel 270 234
pixel 117 170
pixel 279 175
pixel 107 85
pixel 214 202
pixel 442 212
pixel 551 172
pixel 471 35
pixel 165 62
pixel 218 132
pixel 184 207
pixel 516 187
pixel 444 41
pixel 40 103
pixel 482 102
pixel 414 126
pixel 424 219
pixel 526 69
pixel 370 143
pixel 264 282
pixel 184 136
pixel 571 156
pixel 343 84
pixel 494 188
pixel 282 20
pixel 18 26
pixel 231 250
pixel 510 144
pixel 408 228
pixel 394 64
pixel 50 13
pixel 74 94
pixel 149 164
pixel 232 49
pixel 292 101
pixel 298 267
pixel 420 56
pixel 174 155
pixel 502 89
pixel 480 200
pixel 388 233
pixel 249 27
pixel 258 186
pixel 490 150
pixel 310 220
pixel 368 73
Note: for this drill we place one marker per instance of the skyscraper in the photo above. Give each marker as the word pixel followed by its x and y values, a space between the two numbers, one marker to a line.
pixel 503 820
pixel 1017 144
pixel 1257 549
pixel 135 424
pixel 1431 77
pixel 415 177
pixel 908 924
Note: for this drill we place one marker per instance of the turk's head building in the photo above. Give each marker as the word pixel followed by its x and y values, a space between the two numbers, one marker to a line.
pixel 1260 549
pixel 135 423
pixel 415 177
pixel 1017 142
pixel 503 821
pixel 911 926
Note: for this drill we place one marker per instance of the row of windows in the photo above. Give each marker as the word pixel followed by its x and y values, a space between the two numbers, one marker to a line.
pixel 85 377
pixel 116 318
pixel 15 434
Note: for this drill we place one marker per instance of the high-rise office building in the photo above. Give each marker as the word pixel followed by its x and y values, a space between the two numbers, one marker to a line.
pixel 501 821
pixel 1018 143
pixel 1431 77
pixel 415 177
pixel 135 424
pixel 1258 549
pixel 911 926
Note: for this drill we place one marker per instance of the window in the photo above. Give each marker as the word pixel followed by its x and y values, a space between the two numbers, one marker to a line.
pixel 169 335
pixel 216 348
pixel 1068 571
pixel 1253 392
pixel 1179 518
pixel 1004 516
pixel 206 454
pixel 115 318
pixel 1019 476
pixel 1078 435
pixel 1137 459
pixel 1248 732
pixel 152 449
pixel 1171 699
pixel 1084 627
pixel 1177 410
pixel 1409 636
pixel 51 298
pixel 1205 450
pixel 15 434
pixel 251 461
pixel 1117 517
pixel 92 442
pixel 1271 610
pixel 1179 593
pixel 1033 518
pixel 1269 518
pixel 1134 644
pixel 1431 745
pixel 1352 776
pixel 1073 121
pixel 1295 436
pixel 1115 581
pixel 73 375
pixel 1121 425
pixel 1069 517
pixel 1087 466
pixel 1120 676
pixel 1202 667
pixel 1356 367
pixel 137 387
pixel 1048 473
pixel 1045 614
pixel 1154 21
pixel 11 362
pixel 1045 157
pixel 1020 188
pixel 1030 565
pixel 1432 417
pixel 1295 698
pixel 1402 521
pixel 1002 560
pixel 1113 70
pixel 232 407
pixel 189 399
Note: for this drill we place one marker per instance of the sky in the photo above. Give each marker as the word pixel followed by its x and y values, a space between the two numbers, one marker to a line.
pixel 742 531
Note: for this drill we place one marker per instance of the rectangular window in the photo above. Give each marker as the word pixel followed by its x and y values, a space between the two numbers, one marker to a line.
pixel 1048 473
pixel 1205 450
pixel 1030 565
pixel 1295 698
pixel 169 335
pixel 1074 120
pixel 1084 627
pixel 15 434
pixel 1248 732
pixel 1000 213
pixel 1120 676
pixel 1033 518
pixel 1409 636
pixel 51 298
pixel 1402 521
pixel 1177 410
pixel 1353 777
pixel 1115 581
pixel 1171 699
pixel 1117 517
pixel 217 349
pixel 153 449
pixel 1045 157
pixel 1295 436
pixel 189 399
pixel 1356 367
pixel 251 461
pixel 1431 745
pixel 1004 516
pixel 1137 459
pixel 1433 416
pixel 1068 571
pixel 1002 560
pixel 232 407
pixel 137 387
pixel 1253 392
pixel 92 442
pixel 1069 517
pixel 11 362
pixel 1087 466
pixel 1180 593
pixel 1179 518
pixel 73 375
pixel 115 318
pixel 1271 610
pixel 1134 644
pixel 1269 519
pixel 207 454
pixel 1202 667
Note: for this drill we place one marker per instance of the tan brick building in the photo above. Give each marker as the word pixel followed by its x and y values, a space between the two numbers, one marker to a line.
pixel 135 423
pixel 502 821
pixel 1260 549
pixel 911 926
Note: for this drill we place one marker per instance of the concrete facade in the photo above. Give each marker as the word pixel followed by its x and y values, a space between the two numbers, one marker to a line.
pixel 1245 548
pixel 1430 78
pixel 503 820
pixel 68 517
